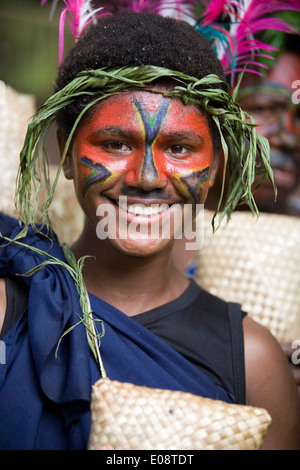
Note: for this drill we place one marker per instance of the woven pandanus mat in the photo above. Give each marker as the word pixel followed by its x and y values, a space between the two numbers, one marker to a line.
pixel 131 417
pixel 256 262
pixel 16 110
pixel 65 213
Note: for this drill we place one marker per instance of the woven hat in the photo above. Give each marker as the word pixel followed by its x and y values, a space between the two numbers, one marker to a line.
pixel 131 417
pixel 16 110
pixel 256 262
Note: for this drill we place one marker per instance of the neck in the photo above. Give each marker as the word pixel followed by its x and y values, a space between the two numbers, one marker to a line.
pixel 133 284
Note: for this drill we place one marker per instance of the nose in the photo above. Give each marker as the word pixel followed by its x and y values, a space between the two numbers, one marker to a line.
pixel 282 133
pixel 144 174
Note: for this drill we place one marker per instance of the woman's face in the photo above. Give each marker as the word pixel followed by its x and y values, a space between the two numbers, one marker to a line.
pixel 138 161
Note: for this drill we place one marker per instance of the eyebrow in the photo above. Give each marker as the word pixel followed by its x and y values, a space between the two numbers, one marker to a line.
pixel 123 133
pixel 118 131
pixel 178 136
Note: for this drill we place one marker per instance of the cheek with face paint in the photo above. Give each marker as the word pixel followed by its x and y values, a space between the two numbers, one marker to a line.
pixel 191 170
pixel 194 184
pixel 93 175
pixel 97 166
pixel 97 174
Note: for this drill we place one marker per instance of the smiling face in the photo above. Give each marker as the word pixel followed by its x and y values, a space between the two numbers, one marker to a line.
pixel 269 100
pixel 144 156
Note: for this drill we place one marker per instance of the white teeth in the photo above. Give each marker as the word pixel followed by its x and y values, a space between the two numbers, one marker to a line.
pixel 140 209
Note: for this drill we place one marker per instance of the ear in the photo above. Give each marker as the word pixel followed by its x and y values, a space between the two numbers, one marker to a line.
pixel 67 165
pixel 215 167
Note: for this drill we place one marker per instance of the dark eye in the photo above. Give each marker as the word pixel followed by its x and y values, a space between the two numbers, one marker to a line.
pixel 177 148
pixel 116 146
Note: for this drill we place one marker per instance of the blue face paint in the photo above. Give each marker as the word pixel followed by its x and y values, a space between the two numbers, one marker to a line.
pixel 152 126
pixel 99 174
pixel 193 182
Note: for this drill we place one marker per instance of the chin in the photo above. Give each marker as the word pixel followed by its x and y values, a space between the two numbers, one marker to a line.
pixel 141 247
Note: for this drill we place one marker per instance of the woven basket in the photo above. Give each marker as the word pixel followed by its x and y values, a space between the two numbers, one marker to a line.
pixel 256 262
pixel 130 417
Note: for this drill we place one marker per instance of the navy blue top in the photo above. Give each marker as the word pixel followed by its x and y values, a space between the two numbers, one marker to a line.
pixel 44 398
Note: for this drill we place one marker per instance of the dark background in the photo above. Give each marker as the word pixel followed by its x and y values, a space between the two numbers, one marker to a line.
pixel 29 46
pixel 29 52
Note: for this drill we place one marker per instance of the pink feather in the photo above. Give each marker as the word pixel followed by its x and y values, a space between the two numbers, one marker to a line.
pixel 179 9
pixel 253 19
pixel 236 20
pixel 214 9
pixel 245 18
pixel 79 14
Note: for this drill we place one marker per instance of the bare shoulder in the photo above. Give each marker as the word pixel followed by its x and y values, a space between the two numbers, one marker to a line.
pixel 270 385
pixel 259 342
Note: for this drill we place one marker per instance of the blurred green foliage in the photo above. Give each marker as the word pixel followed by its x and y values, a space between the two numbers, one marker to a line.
pixel 29 46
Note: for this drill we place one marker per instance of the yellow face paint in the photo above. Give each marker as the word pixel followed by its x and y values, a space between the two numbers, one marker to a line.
pixel 143 139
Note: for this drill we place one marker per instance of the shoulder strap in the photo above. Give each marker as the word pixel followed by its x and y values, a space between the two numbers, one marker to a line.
pixel 16 303
pixel 236 316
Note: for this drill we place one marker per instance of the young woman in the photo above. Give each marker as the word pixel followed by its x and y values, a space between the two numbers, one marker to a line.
pixel 143 92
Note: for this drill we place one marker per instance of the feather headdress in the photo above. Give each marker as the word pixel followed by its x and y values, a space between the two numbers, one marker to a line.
pixel 230 25
pixel 233 25
pixel 79 14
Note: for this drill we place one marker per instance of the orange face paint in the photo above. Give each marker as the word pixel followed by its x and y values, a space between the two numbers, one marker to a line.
pixel 143 139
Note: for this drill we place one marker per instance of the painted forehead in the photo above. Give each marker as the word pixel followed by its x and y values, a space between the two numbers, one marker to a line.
pixel 118 106
pixel 148 115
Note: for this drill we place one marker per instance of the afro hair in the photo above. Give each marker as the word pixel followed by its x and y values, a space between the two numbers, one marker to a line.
pixel 131 39
pixel 134 39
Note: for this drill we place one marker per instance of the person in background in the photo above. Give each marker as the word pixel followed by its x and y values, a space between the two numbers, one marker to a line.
pixel 273 100
pixel 274 103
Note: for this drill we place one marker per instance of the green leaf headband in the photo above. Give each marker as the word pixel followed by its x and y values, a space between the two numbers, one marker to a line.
pixel 242 146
